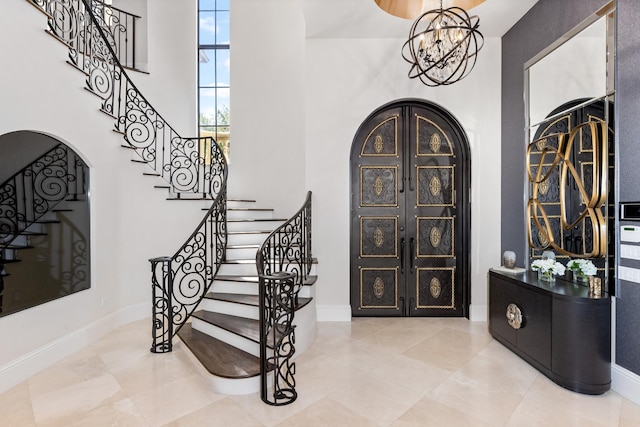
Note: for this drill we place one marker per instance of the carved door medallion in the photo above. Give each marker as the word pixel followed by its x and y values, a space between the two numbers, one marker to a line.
pixel 410 214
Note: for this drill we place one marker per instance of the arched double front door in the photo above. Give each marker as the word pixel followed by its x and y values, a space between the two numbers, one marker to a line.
pixel 410 213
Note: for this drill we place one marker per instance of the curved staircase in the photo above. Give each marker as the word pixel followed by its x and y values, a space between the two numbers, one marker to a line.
pixel 221 317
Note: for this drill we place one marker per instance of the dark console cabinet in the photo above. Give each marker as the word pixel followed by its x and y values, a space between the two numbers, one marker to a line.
pixel 565 332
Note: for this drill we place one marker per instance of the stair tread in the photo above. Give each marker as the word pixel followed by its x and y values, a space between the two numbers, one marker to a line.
pixel 242 326
pixel 218 357
pixel 254 279
pixel 243 246
pixel 251 209
pixel 244 299
pixel 257 220
pixel 251 232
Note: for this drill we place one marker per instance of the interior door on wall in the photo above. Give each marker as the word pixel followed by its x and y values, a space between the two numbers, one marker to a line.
pixel 408 231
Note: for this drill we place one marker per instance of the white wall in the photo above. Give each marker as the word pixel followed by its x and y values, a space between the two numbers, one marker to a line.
pixel 267 104
pixel 131 222
pixel 343 80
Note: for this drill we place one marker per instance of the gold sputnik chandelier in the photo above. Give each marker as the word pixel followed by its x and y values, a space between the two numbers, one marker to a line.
pixel 443 46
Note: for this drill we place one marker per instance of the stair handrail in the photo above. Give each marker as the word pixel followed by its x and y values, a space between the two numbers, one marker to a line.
pixel 59 169
pixel 283 262
pixel 189 165
pixel 181 162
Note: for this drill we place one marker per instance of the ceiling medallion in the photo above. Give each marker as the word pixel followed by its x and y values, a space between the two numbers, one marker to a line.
pixel 443 46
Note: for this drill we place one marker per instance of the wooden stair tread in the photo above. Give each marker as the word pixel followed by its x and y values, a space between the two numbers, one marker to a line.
pixel 256 220
pixel 242 326
pixel 254 279
pixel 252 300
pixel 248 246
pixel 218 357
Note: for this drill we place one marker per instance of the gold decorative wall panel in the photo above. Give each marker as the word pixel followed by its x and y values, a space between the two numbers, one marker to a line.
pixel 379 186
pixel 378 288
pixel 431 139
pixel 435 288
pixel 589 178
pixel 379 237
pixel 435 237
pixel 435 185
pixel 382 140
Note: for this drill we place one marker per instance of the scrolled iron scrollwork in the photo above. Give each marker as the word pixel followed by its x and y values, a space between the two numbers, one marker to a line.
pixel 93 31
pixel 284 263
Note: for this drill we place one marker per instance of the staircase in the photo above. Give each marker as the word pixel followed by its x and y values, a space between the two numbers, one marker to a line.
pixel 233 288
pixel 224 333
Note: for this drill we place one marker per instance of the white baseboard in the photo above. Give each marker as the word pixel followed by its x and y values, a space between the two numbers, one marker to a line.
pixel 19 370
pixel 478 313
pixel 342 313
pixel 626 383
pixel 334 313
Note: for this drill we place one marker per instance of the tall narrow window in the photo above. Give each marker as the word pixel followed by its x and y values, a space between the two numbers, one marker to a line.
pixel 213 71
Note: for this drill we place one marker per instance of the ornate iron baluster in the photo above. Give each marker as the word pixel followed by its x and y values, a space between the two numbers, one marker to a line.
pixel 277 338
pixel 284 263
pixel 181 281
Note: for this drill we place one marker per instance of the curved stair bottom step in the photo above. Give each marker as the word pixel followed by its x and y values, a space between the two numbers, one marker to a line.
pixel 247 384
pixel 306 331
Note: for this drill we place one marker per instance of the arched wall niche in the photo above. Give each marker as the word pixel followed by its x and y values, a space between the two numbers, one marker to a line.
pixel 44 221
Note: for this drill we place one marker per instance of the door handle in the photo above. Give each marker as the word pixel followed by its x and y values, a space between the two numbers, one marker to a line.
pixel 402 256
pixel 411 254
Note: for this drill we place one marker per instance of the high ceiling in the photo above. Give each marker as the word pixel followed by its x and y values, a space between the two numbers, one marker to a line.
pixel 364 19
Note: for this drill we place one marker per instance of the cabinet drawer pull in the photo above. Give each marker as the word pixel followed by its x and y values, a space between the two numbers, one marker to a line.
pixel 514 316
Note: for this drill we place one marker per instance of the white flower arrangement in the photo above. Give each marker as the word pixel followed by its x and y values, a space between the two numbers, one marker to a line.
pixel 582 267
pixel 548 266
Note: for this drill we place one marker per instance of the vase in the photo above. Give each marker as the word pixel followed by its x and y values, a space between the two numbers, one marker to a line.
pixel 509 259
pixel 546 276
pixel 580 277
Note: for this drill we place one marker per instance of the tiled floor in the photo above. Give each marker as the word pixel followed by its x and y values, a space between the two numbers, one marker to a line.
pixel 370 372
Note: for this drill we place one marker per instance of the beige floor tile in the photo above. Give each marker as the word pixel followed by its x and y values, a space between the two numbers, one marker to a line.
pixel 323 374
pixel 222 413
pixel 600 410
pixel 372 371
pixel 403 371
pixel 375 399
pixel 273 415
pixel 77 368
pixel 509 374
pixel 15 407
pixel 629 414
pixel 122 413
pixel 150 371
pixel 324 413
pixel 450 349
pixel 428 412
pixel 364 355
pixel 174 400
pixel 534 413
pixel 489 405
pixel 76 400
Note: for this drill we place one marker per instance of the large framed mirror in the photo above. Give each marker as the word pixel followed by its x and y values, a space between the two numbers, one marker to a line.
pixel 570 155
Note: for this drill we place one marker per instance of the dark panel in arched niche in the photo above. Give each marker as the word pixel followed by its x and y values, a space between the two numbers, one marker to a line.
pixel 44 221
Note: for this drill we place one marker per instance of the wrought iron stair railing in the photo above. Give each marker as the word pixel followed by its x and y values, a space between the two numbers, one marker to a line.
pixel 189 165
pixel 118 26
pixel 183 162
pixel 284 262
